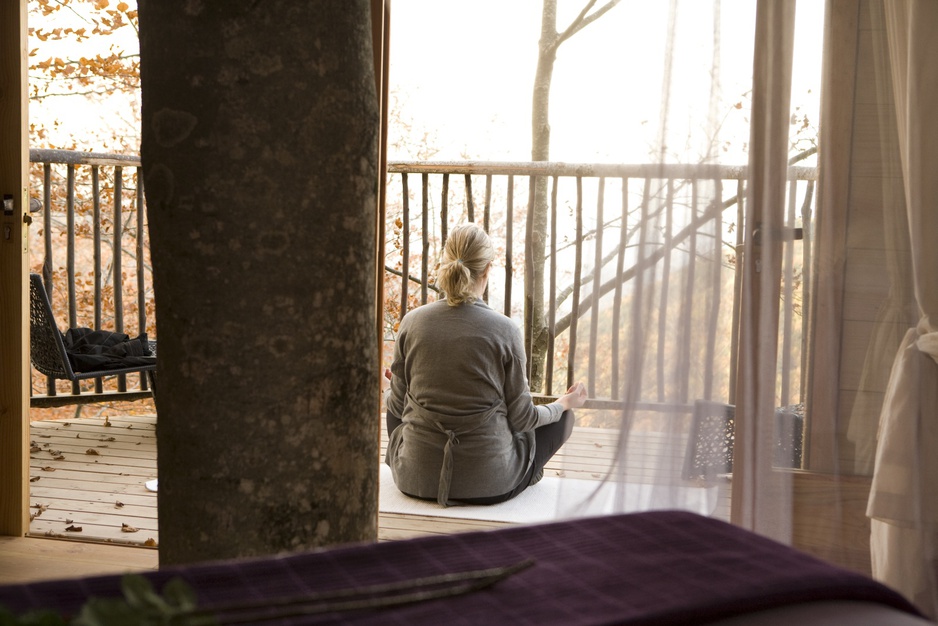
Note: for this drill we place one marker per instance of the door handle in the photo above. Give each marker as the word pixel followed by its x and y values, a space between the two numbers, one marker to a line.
pixel 782 235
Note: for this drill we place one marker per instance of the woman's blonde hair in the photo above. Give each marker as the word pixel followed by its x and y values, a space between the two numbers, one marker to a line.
pixel 467 253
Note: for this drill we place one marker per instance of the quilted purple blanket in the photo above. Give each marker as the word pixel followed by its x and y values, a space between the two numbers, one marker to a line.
pixel 646 568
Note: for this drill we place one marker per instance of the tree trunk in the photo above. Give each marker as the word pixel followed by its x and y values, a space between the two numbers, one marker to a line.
pixel 259 148
pixel 535 325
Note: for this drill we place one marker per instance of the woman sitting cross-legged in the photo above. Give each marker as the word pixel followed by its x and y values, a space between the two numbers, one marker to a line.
pixel 462 425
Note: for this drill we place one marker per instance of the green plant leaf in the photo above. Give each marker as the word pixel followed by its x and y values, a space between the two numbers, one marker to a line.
pixel 140 605
pixel 43 617
pixel 112 612
pixel 179 595
pixel 139 592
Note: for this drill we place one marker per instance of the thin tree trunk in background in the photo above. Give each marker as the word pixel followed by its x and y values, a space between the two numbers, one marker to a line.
pixel 536 338
pixel 535 321
pixel 259 147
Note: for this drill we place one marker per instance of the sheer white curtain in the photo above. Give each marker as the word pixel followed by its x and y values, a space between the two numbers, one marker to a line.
pixel 708 250
pixel 745 233
pixel 697 302
pixel 904 497
pixel 679 250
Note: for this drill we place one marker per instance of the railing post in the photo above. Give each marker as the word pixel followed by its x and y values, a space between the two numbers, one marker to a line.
pixel 552 292
pixel 617 298
pixel 529 278
pixel 596 291
pixel 425 236
pixel 405 244
pixel 509 240
pixel 577 275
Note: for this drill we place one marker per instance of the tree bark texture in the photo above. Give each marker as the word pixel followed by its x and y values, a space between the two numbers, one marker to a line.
pixel 259 148
pixel 537 336
pixel 535 325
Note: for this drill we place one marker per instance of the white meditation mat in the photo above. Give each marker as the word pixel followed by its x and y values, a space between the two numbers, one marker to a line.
pixel 557 498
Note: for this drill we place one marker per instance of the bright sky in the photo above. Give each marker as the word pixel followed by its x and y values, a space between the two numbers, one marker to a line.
pixel 465 74
pixel 87 119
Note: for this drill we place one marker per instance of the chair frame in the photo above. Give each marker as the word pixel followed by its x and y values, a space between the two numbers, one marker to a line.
pixel 710 445
pixel 713 436
pixel 47 346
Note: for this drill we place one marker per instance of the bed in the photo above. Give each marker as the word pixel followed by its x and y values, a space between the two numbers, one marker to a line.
pixel 660 567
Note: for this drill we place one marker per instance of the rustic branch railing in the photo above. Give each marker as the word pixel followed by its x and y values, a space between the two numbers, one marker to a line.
pixel 599 231
pixel 94 204
pixel 693 253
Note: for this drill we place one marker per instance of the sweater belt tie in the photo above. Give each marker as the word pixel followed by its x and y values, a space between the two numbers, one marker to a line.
pixel 446 471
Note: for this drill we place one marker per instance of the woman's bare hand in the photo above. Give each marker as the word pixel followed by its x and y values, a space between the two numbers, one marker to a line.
pixel 574 398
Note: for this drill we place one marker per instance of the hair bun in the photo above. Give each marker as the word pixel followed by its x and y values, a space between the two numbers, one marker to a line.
pixel 468 252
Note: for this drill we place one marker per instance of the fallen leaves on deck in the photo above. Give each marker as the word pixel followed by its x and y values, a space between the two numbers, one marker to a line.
pixel 40 509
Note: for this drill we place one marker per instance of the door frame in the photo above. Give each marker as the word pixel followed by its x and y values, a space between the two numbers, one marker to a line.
pixel 14 329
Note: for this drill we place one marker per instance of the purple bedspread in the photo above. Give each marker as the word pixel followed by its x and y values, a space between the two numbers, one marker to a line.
pixel 660 567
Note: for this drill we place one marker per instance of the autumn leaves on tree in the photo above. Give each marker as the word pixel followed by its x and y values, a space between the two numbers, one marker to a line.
pixel 82 49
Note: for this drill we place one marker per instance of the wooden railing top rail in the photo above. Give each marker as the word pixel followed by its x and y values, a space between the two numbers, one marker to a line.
pixel 73 157
pixel 554 168
pixel 523 168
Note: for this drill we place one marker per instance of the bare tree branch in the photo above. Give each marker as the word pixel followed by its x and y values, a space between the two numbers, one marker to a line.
pixel 583 20
pixel 712 211
pixel 90 92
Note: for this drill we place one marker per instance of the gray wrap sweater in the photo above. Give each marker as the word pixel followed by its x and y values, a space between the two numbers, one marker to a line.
pixel 460 387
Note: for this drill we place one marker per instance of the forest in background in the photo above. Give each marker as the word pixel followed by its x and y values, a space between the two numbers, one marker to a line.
pixel 105 76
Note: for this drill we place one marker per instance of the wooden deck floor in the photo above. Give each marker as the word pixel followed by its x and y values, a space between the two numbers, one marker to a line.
pixel 87 479
pixel 88 485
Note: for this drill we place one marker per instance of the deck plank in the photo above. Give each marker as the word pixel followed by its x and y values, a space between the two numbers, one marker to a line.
pixel 30 559
pixel 102 492
pixel 90 473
